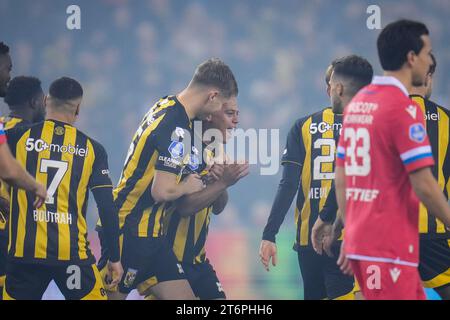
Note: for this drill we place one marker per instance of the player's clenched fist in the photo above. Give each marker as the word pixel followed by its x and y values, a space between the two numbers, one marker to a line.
pixel 41 195
pixel 115 273
pixel 216 171
pixel 193 183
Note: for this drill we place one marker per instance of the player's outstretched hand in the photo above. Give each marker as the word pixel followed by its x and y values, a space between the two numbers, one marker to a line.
pixel 233 172
pixel 344 262
pixel 216 171
pixel 268 251
pixel 322 237
pixel 41 195
pixel 115 273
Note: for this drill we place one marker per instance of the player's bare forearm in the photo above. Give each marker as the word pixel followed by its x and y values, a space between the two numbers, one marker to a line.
pixel 340 192
pixel 429 192
pixel 220 203
pixel 13 174
pixel 195 202
pixel 165 187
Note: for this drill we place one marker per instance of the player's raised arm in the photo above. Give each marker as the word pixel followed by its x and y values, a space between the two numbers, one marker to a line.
pixel 194 202
pixel 173 146
pixel 165 187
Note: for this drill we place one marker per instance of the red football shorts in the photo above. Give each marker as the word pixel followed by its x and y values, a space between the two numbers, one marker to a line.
pixel 388 281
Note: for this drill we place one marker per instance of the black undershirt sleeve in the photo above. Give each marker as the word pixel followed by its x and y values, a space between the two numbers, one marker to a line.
pixel 110 220
pixel 329 210
pixel 287 189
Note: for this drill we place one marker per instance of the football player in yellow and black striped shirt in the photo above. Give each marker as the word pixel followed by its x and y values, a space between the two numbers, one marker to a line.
pixel 186 226
pixel 25 100
pixel 159 144
pixel 151 179
pixel 434 264
pixel 50 243
pixel 308 162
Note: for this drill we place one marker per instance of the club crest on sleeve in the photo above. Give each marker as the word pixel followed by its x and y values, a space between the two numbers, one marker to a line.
pixel 417 132
pixel 194 162
pixel 176 149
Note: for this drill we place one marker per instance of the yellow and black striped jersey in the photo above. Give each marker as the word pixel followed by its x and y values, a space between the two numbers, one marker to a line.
pixel 70 164
pixel 438 130
pixel 311 143
pixel 10 122
pixel 162 142
pixel 187 235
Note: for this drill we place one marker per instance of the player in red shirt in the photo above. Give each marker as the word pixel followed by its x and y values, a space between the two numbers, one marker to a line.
pixel 383 169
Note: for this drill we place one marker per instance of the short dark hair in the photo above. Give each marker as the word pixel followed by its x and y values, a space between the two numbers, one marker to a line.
pixel 329 72
pixel 4 49
pixel 66 89
pixel 396 40
pixel 214 72
pixel 356 70
pixel 22 89
pixel 433 65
